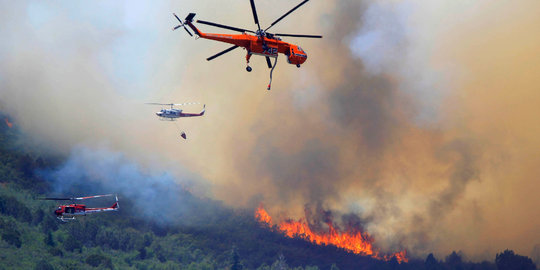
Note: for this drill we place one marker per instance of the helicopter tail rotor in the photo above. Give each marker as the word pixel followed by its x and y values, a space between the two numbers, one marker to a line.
pixel 182 24
pixel 116 205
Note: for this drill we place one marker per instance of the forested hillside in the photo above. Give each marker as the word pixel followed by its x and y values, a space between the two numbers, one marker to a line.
pixel 213 236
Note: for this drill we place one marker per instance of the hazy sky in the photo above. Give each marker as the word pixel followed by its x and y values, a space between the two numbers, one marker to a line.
pixel 420 117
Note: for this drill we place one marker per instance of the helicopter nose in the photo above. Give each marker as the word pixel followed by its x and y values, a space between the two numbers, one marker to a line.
pixel 159 113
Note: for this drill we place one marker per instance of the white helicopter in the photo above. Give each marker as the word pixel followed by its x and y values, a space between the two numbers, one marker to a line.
pixel 172 114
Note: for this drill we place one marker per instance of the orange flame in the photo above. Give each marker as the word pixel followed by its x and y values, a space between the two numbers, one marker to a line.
pixel 356 242
pixel 9 124
pixel 262 216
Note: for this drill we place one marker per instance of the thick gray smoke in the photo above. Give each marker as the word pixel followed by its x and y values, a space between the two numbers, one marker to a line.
pixel 352 157
pixel 156 195
pixel 389 137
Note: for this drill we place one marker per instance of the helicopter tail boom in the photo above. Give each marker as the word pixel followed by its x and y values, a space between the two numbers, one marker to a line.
pixel 194 114
pixel 189 20
pixel 116 205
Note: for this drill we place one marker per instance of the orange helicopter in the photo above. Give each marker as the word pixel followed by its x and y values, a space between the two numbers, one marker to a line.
pixel 260 42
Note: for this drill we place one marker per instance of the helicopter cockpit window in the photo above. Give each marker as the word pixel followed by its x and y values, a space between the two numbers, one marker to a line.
pixel 300 49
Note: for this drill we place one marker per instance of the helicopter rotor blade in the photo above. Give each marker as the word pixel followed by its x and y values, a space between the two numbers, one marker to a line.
pixel 295 35
pixel 178 18
pixel 286 14
pixel 268 62
pixel 168 104
pixel 221 53
pixel 187 103
pixel 225 26
pixel 185 28
pixel 255 17
pixel 75 198
pixel 91 197
pixel 163 104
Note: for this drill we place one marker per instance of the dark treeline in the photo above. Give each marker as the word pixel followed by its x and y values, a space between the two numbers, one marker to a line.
pixel 32 238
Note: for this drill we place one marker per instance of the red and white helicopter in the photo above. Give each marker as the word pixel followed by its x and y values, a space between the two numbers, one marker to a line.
pixel 69 211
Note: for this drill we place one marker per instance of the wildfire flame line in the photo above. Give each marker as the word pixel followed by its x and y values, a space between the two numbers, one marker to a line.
pixel 356 242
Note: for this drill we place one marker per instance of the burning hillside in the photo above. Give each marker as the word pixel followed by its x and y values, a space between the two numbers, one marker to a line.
pixel 354 241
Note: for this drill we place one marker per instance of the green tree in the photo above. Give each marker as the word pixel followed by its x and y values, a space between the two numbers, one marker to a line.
pixel 107 264
pixel 37 217
pixel 25 164
pixel 147 239
pixel 49 224
pixel 54 251
pixel 11 206
pixel 85 230
pixel 510 261
pixel 142 254
pixel 158 253
pixel 12 237
pixel 96 260
pixel 454 261
pixel 49 241
pixel 71 244
pixel 235 259
pixel 68 264
pixel 43 265
pixel 280 263
pixel 264 266
pixel 107 238
pixel 431 263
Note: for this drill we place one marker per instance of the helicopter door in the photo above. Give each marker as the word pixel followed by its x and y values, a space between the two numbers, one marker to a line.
pixel 270 50
pixel 70 210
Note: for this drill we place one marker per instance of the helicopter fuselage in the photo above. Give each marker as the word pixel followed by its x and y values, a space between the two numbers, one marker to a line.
pixel 263 45
pixel 72 210
pixel 172 114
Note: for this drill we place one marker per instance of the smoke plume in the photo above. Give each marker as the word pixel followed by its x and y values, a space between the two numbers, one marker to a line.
pixel 155 195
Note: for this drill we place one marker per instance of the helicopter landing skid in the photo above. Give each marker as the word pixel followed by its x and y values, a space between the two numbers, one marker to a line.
pixel 63 219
